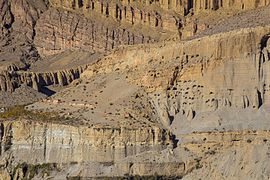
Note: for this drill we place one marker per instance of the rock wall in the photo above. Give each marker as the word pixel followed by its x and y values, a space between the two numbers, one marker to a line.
pixel 130 12
pixel 156 14
pixel 231 72
pixel 17 29
pixel 229 155
pixel 210 5
pixel 56 143
pixel 10 80
pixel 59 30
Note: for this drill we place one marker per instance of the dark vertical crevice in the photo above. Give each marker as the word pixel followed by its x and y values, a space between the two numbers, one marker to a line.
pixel 116 11
pixel 107 10
pixel 132 15
pixel 1 136
pixel 45 142
pixel 80 3
pixel 260 100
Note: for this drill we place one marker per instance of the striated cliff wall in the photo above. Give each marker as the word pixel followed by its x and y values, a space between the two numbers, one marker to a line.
pixel 56 143
pixel 17 30
pixel 229 155
pixel 35 143
pixel 163 14
pixel 59 30
pixel 10 80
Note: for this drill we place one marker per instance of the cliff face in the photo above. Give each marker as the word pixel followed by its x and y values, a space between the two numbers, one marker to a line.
pixel 184 82
pixel 156 14
pixel 18 19
pixel 39 143
pixel 229 155
pixel 66 30
pixel 77 144
pixel 211 92
pixel 10 80
pixel 31 31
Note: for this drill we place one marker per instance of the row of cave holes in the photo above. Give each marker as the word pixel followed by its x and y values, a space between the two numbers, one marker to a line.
pixel 118 14
pixel 130 39
pixel 187 9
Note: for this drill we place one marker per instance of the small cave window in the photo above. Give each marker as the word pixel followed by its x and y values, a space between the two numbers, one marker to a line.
pixel 107 10
pixel 93 5
pixel 73 4
pixel 116 11
pixel 80 3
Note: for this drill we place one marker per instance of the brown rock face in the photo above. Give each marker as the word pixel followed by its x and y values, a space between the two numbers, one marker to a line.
pixel 200 75
pixel 164 15
pixel 45 140
pixel 17 29
pixel 59 30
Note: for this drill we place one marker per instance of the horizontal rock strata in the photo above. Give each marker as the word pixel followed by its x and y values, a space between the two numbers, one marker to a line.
pixel 56 143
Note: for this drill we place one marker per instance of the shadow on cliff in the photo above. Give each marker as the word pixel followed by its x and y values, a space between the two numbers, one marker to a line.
pixel 175 141
pixel 47 91
pixel 264 40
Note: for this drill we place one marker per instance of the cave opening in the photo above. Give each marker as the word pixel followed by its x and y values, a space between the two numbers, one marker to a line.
pixel 188 7
pixel 73 4
pixel 116 11
pixel 80 3
pixel 107 10
pixel 93 5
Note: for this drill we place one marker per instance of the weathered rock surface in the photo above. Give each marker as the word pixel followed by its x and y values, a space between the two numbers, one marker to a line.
pixel 64 144
pixel 78 144
pixel 211 92
pixel 10 80
pixel 222 58
pixel 195 108
pixel 157 14
pixel 18 20
pixel 66 30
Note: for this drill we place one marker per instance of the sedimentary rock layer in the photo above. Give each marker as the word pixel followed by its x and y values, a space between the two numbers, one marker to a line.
pixel 56 143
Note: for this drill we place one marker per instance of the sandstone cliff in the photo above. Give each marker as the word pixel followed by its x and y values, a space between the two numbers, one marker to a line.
pixel 210 92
